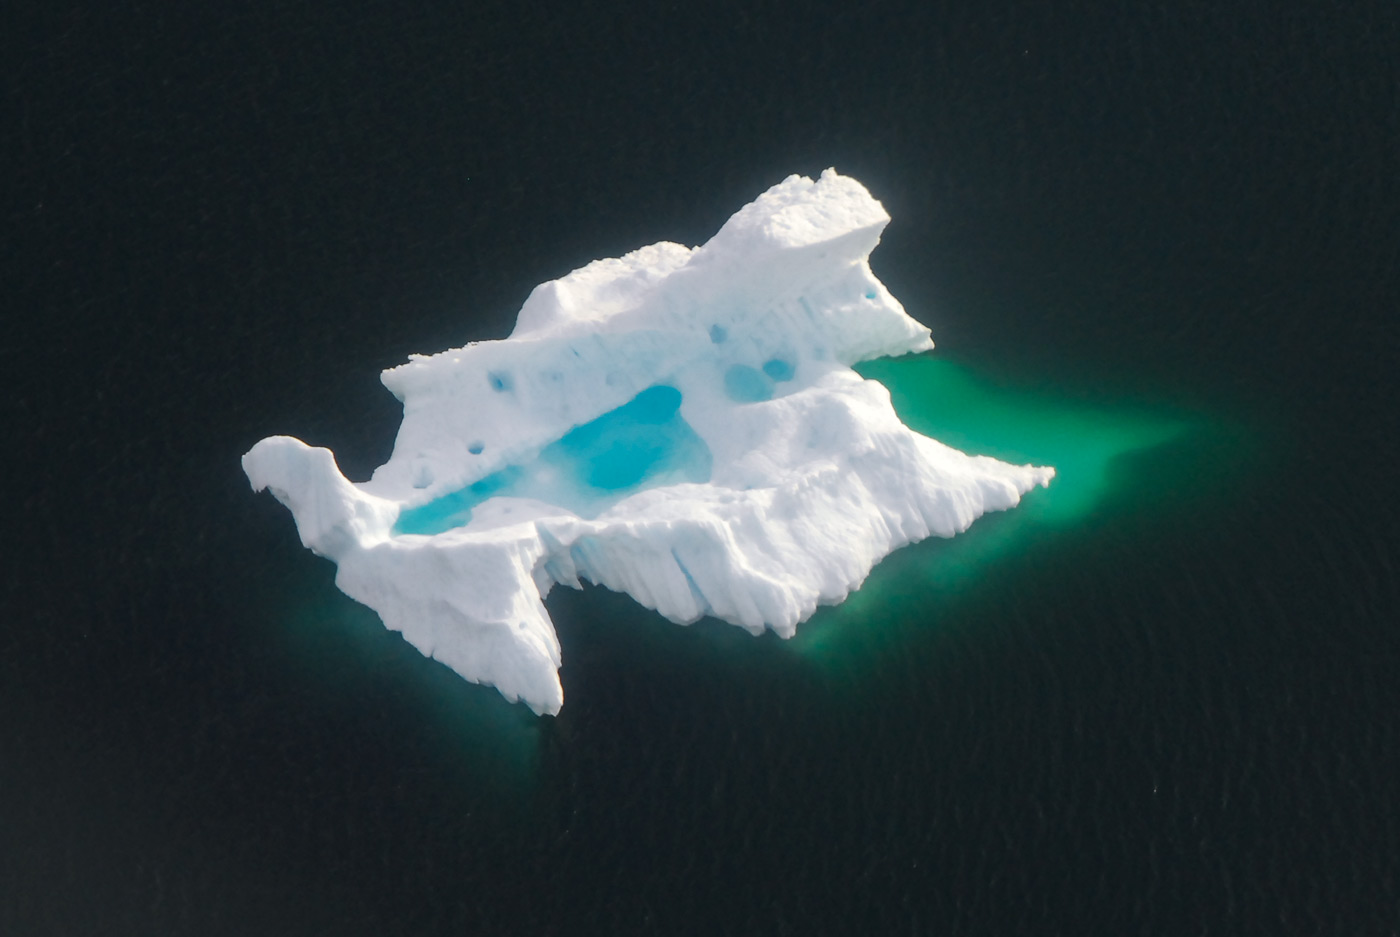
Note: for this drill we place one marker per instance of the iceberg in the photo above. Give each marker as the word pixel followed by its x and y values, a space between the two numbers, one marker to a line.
pixel 679 424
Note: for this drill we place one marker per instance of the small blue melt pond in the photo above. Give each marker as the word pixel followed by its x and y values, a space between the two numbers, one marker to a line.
pixel 778 369
pixel 641 444
pixel 744 384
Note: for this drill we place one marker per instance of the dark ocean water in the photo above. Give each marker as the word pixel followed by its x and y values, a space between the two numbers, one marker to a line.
pixel 1157 247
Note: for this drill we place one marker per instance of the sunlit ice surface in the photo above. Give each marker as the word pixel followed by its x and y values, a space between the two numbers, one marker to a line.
pixel 679 424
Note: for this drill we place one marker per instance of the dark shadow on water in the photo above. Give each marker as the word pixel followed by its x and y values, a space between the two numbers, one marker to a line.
pixel 376 689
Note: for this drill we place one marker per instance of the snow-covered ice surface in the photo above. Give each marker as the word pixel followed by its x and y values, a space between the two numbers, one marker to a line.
pixel 680 424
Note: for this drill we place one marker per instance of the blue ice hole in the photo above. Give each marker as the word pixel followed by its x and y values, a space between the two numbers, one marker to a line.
pixel 500 380
pixel 718 333
pixel 642 444
pixel 778 369
pixel 744 384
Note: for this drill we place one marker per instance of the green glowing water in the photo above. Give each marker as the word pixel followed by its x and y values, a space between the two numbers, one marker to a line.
pixel 945 400
pixel 1098 451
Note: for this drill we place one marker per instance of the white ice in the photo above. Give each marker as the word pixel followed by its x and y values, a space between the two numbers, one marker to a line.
pixel 680 424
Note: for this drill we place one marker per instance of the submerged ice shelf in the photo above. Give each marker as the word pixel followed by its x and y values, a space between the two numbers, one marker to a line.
pixel 680 424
